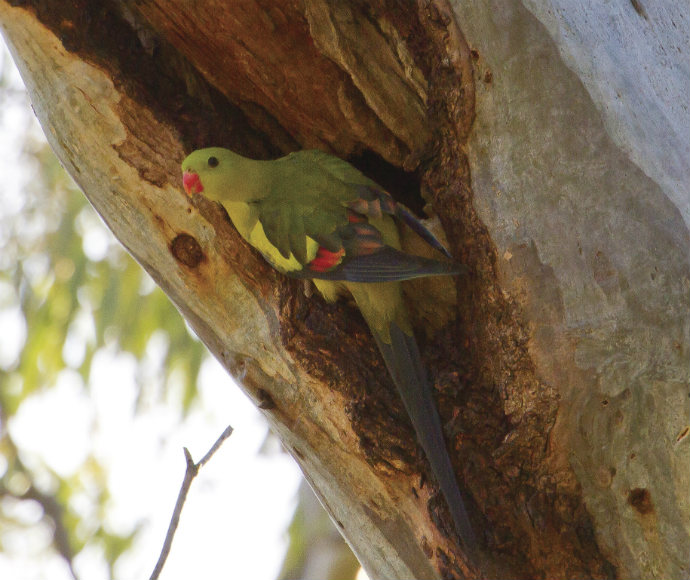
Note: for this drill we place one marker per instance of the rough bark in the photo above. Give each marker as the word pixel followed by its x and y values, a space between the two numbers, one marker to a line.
pixel 561 361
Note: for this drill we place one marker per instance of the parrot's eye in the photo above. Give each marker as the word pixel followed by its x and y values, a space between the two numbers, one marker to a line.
pixel 213 161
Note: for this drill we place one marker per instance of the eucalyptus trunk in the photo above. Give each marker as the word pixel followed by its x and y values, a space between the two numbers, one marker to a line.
pixel 547 140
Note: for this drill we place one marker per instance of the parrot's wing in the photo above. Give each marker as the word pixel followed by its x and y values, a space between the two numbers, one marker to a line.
pixel 309 200
pixel 288 220
pixel 384 265
pixel 349 248
pixel 364 257
pixel 374 202
pixel 369 198
pixel 334 205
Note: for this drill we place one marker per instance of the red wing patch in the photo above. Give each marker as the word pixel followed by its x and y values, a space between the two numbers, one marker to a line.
pixel 354 217
pixel 326 260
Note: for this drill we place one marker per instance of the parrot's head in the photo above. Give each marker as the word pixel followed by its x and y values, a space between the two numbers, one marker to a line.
pixel 211 171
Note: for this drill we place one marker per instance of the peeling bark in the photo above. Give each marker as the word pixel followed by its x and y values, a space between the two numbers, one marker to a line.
pixel 125 89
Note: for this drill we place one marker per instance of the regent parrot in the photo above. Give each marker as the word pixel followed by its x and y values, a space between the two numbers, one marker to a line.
pixel 313 215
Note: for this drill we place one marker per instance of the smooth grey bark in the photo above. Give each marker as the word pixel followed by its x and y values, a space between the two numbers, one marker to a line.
pixel 580 164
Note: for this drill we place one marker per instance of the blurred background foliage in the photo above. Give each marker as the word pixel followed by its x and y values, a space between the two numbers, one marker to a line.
pixel 68 290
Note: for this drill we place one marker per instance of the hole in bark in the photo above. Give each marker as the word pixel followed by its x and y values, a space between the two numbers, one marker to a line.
pixel 266 401
pixel 187 250
pixel 641 500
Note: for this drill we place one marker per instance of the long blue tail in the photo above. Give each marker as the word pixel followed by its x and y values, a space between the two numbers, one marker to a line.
pixel 405 366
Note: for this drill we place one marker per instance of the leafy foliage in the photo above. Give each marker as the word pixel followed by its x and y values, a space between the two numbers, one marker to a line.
pixel 67 291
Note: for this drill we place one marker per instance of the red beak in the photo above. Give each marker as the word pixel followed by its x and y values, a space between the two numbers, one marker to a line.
pixel 192 183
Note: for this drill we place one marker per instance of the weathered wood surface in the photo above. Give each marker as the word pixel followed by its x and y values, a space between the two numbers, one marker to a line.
pixel 580 160
pixel 562 369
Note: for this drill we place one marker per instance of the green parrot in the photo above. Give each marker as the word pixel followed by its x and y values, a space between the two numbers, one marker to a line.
pixel 312 215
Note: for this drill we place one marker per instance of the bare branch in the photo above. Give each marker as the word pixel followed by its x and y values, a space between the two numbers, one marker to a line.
pixel 223 436
pixel 190 473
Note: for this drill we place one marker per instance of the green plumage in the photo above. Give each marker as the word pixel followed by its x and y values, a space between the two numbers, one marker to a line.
pixel 312 215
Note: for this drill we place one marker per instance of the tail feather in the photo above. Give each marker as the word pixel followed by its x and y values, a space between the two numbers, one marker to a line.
pixel 405 366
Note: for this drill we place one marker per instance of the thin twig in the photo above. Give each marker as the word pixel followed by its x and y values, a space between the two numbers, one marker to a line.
pixel 190 473
pixel 223 436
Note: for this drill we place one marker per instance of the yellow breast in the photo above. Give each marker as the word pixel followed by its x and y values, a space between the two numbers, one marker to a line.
pixel 258 239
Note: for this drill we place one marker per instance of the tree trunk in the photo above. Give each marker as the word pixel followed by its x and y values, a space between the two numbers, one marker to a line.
pixel 561 360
